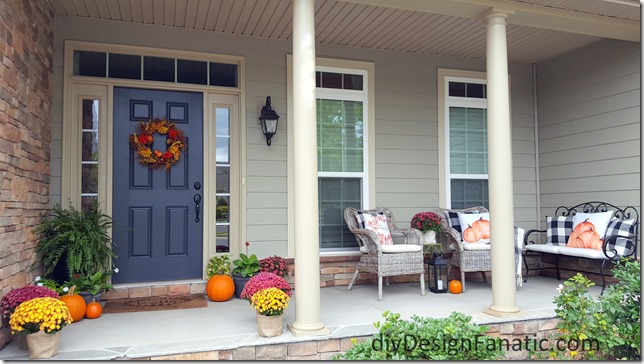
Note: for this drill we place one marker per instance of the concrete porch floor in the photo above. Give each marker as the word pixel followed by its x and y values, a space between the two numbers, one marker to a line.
pixel 229 325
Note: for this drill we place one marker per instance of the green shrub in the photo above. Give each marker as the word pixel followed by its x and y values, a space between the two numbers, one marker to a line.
pixel 603 327
pixel 423 338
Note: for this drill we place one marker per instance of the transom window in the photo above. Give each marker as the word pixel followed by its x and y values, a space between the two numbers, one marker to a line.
pixel 151 68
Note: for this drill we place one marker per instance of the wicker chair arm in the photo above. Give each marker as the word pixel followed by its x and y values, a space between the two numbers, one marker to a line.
pixel 412 236
pixel 369 238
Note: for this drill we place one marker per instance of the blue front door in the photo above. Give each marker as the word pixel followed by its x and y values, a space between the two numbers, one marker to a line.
pixel 158 224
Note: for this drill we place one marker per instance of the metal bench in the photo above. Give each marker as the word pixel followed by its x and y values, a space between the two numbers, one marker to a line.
pixel 619 241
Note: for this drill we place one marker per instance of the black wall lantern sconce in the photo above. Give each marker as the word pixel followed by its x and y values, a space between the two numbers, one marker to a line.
pixel 268 118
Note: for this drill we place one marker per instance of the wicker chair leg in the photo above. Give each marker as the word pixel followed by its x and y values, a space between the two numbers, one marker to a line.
pixel 387 281
pixel 355 275
pixel 484 277
pixel 379 288
pixel 422 284
pixel 463 280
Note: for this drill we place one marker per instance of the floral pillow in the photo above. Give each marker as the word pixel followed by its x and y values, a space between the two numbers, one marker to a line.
pixel 378 224
pixel 476 227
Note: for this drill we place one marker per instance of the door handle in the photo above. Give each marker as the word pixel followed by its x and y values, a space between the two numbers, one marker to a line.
pixel 197 200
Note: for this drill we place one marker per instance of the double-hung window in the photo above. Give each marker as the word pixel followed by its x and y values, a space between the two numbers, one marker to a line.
pixel 342 151
pixel 466 143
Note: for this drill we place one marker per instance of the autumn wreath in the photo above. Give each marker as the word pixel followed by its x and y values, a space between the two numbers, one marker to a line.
pixel 142 143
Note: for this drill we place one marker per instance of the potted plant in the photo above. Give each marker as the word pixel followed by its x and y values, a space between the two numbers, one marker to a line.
pixel 40 319
pixel 220 286
pixel 80 239
pixel 429 223
pixel 270 303
pixel 264 280
pixel 15 297
pixel 91 287
pixel 244 268
pixel 274 264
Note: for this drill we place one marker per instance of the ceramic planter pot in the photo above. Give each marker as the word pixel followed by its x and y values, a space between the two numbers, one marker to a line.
pixel 239 284
pixel 88 297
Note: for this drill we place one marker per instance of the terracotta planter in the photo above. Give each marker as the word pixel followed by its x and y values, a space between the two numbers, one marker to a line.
pixel 42 345
pixel 269 326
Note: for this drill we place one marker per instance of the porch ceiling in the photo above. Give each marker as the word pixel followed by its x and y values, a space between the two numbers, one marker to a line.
pixel 538 30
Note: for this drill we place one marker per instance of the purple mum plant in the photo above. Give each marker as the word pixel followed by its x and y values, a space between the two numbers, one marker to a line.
pixel 17 296
pixel 264 280
pixel 275 265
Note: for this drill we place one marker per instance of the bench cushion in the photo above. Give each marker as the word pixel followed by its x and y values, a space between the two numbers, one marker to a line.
pixel 559 229
pixel 582 253
pixel 544 248
pixel 396 248
pixel 564 250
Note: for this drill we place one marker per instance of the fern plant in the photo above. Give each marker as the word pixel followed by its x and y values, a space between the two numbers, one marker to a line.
pixel 81 236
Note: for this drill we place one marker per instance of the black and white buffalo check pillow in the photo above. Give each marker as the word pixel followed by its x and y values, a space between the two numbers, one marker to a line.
pixel 620 228
pixel 558 229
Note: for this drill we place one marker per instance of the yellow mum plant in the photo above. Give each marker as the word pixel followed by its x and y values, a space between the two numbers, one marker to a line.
pixel 46 314
pixel 270 301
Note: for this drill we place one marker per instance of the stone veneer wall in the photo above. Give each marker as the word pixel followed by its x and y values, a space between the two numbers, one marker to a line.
pixel 26 94
pixel 325 349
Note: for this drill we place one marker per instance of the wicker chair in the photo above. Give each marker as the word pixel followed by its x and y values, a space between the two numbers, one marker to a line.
pixel 385 264
pixel 465 260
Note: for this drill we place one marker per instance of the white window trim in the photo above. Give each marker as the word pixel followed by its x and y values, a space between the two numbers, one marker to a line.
pixel 444 102
pixel 367 95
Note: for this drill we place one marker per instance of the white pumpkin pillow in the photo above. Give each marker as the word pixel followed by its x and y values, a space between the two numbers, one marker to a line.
pixel 476 227
pixel 589 230
pixel 378 224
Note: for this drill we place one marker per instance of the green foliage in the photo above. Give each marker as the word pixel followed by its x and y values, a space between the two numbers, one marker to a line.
pixel 80 235
pixel 218 265
pixel 422 338
pixel 607 326
pixel 93 284
pixel 61 289
pixel 246 266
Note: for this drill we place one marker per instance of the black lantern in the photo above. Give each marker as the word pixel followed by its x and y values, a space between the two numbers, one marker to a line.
pixel 437 273
pixel 268 118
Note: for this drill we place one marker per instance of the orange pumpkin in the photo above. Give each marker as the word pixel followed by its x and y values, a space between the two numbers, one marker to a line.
pixel 455 286
pixel 483 226
pixel 471 235
pixel 94 310
pixel 220 288
pixel 75 303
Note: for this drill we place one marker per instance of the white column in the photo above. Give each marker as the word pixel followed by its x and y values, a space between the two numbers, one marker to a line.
pixel 303 124
pixel 500 169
